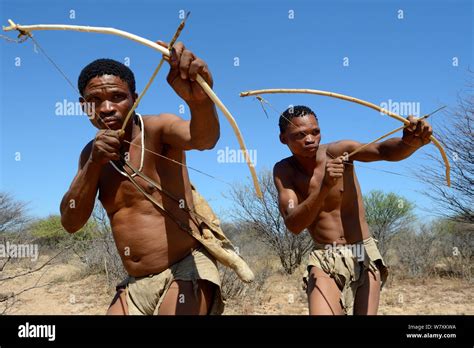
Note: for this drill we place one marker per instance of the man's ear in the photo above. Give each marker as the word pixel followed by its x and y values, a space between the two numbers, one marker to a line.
pixel 283 139
pixel 135 97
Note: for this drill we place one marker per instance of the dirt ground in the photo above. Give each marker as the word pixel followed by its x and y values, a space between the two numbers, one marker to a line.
pixel 63 288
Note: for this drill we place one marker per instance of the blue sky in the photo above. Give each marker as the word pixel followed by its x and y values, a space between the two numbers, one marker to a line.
pixel 402 60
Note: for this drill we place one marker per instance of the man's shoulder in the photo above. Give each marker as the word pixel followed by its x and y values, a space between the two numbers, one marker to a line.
pixel 160 120
pixel 283 167
pixel 87 148
pixel 338 148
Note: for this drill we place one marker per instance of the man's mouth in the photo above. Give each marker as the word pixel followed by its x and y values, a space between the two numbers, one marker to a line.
pixel 109 121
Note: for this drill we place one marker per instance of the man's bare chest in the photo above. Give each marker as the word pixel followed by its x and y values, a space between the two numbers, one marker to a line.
pixel 117 191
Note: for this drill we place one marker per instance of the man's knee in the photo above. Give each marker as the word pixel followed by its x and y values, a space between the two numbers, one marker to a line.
pixel 374 276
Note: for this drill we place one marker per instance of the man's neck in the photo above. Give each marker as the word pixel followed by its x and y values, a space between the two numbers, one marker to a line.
pixel 307 164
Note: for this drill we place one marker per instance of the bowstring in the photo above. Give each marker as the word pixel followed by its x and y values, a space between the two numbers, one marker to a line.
pixel 181 164
pixel 57 67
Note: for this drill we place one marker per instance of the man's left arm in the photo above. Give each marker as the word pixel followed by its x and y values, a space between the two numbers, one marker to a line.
pixel 204 125
pixel 202 131
pixel 416 135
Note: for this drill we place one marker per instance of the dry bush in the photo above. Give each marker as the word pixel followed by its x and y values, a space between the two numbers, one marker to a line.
pixel 438 249
pixel 414 251
pixel 233 287
pixel 455 202
pixel 100 254
pixel 94 246
pixel 258 256
pixel 264 218
pixel 13 213
pixel 455 245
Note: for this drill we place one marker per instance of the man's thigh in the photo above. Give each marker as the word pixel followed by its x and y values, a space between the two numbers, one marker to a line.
pixel 323 294
pixel 119 304
pixel 181 299
pixel 368 295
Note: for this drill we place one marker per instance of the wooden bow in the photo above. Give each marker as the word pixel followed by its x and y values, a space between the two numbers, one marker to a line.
pixel 25 30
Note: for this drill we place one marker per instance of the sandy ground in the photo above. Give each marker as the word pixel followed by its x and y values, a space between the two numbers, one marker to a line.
pixel 64 289
pixel 61 289
pixel 434 296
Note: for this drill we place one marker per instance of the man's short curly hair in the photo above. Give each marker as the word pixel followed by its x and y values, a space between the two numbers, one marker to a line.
pixel 105 66
pixel 293 111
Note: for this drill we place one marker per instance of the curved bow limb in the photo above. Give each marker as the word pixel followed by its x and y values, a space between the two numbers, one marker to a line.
pixel 357 101
pixel 26 29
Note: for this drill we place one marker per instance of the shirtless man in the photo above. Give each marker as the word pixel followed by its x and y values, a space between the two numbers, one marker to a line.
pixel 318 190
pixel 169 272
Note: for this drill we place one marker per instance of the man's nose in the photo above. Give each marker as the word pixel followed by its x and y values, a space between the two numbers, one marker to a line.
pixel 107 107
pixel 309 138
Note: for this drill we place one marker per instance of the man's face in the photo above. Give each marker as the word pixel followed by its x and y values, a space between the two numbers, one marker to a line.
pixel 110 97
pixel 302 136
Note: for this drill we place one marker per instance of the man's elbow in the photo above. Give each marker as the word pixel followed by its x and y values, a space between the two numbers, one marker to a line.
pixel 206 144
pixel 296 231
pixel 69 225
pixel 69 228
pixel 293 227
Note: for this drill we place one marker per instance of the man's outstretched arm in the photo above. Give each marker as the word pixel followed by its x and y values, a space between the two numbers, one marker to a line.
pixel 416 135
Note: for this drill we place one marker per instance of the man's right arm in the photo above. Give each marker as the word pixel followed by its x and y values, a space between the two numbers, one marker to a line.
pixel 78 202
pixel 297 216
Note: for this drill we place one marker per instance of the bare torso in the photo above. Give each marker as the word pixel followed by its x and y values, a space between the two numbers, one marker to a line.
pixel 147 240
pixel 342 215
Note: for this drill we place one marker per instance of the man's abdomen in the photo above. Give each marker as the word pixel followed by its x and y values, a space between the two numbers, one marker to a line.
pixel 331 227
pixel 149 242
